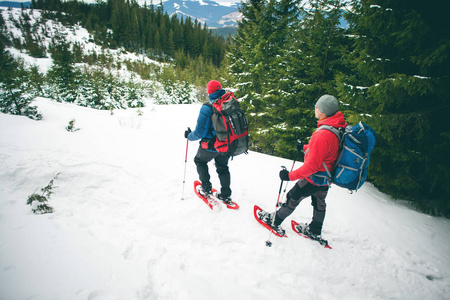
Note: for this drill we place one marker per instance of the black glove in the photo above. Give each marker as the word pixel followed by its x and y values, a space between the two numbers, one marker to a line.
pixel 299 146
pixel 186 133
pixel 284 175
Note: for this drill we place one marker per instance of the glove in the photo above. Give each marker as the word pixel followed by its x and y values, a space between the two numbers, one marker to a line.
pixel 186 133
pixel 284 175
pixel 299 146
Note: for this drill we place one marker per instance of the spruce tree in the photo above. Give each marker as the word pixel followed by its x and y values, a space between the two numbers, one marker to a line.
pixel 312 61
pixel 283 58
pixel 63 75
pixel 16 89
pixel 399 81
pixel 254 66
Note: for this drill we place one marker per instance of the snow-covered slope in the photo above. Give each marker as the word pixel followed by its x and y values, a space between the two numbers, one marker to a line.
pixel 121 231
pixel 48 29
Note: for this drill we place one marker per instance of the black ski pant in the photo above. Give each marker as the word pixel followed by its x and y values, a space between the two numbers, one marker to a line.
pixel 221 161
pixel 301 190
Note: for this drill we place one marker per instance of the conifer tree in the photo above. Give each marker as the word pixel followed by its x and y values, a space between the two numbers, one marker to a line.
pixel 251 62
pixel 16 90
pixel 399 79
pixel 282 64
pixel 119 20
pixel 312 62
pixel 63 75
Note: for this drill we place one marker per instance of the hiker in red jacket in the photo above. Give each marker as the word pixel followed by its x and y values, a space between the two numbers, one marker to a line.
pixel 323 147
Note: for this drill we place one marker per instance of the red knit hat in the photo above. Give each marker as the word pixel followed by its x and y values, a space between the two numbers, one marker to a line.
pixel 213 86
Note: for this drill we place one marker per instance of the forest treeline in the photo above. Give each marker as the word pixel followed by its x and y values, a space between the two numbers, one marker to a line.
pixel 187 51
pixel 194 51
pixel 142 29
pixel 386 61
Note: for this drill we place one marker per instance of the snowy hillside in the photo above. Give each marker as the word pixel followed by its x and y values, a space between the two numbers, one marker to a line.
pixel 121 231
pixel 48 29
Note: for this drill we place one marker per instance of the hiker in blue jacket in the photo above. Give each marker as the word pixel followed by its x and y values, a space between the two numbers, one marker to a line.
pixel 204 132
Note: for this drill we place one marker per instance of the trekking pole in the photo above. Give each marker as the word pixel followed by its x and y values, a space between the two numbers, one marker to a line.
pixel 292 168
pixel 185 163
pixel 268 242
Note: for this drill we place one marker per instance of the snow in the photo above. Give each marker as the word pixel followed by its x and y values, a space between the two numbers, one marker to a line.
pixel 202 2
pixel 214 3
pixel 72 34
pixel 421 77
pixel 228 3
pixel 121 231
pixel 231 17
pixel 43 64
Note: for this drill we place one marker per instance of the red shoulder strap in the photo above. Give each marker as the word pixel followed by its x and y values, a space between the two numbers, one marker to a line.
pixel 226 97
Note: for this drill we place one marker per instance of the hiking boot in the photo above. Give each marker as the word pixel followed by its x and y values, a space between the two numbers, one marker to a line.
pixel 304 229
pixel 205 192
pixel 267 218
pixel 225 199
pixel 278 230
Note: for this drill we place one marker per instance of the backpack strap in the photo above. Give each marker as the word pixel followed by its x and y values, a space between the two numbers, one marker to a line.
pixel 338 132
pixel 210 122
pixel 340 135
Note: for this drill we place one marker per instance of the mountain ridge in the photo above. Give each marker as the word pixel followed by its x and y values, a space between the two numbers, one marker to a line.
pixel 211 13
pixel 15 4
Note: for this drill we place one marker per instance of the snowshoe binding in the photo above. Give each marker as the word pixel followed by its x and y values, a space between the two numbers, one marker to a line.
pixel 224 199
pixel 205 192
pixel 206 196
pixel 304 231
pixel 265 219
pixel 211 197
pixel 227 201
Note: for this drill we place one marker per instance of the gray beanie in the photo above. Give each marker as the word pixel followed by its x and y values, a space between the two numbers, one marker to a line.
pixel 328 105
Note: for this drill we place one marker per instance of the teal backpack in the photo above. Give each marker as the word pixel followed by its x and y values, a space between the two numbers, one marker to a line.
pixel 351 168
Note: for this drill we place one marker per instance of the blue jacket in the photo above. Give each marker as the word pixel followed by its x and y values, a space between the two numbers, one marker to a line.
pixel 204 128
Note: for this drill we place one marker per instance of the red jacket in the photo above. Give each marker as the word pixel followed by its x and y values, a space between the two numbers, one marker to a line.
pixel 323 147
